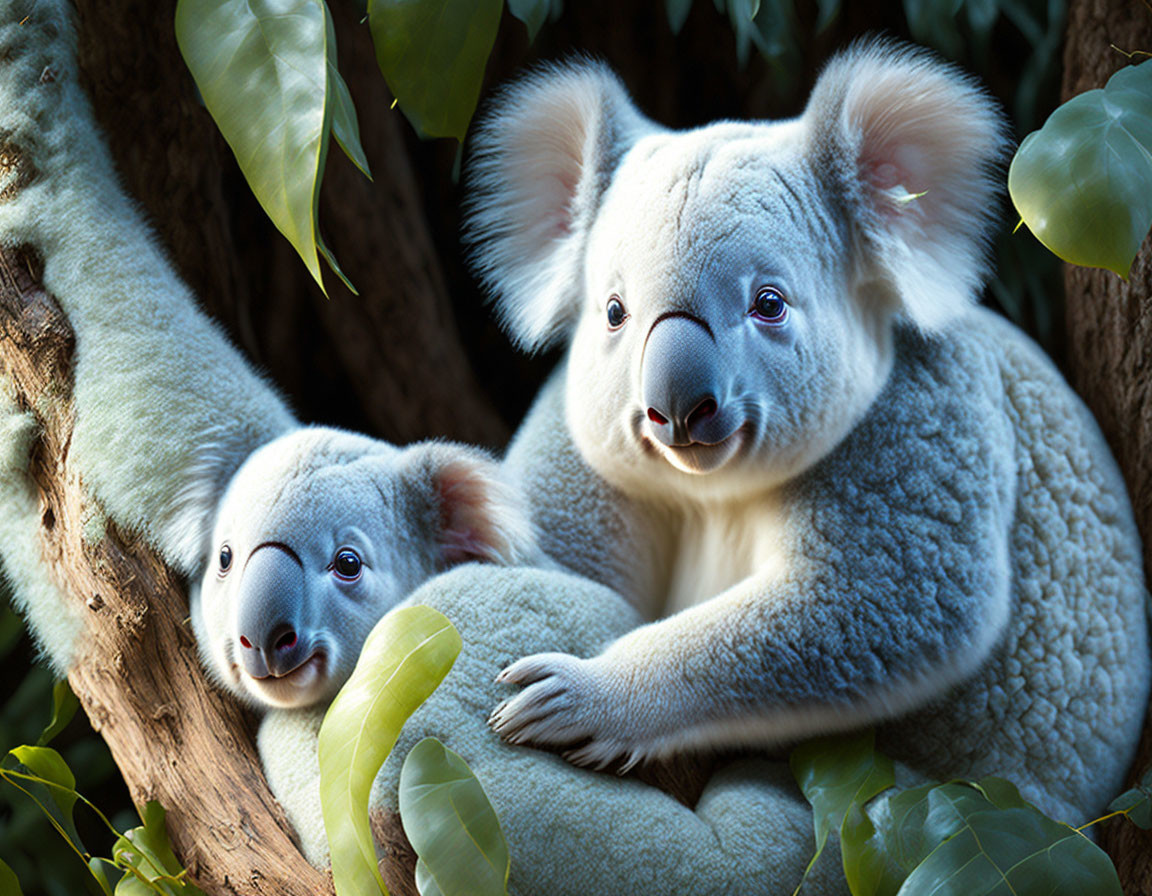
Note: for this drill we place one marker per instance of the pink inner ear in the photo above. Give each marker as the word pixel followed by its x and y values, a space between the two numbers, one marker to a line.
pixel 466 532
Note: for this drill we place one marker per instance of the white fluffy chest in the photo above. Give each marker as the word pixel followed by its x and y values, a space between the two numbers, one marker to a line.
pixel 717 548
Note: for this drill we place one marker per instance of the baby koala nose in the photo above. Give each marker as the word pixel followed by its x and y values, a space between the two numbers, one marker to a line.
pixel 268 604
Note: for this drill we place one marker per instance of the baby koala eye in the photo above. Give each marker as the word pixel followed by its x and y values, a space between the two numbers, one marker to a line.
pixel 347 565
pixel 225 559
pixel 616 313
pixel 769 306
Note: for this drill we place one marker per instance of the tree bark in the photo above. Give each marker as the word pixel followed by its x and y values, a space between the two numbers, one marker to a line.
pixel 175 738
pixel 1109 323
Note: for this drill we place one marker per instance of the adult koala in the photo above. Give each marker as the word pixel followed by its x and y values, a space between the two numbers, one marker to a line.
pixel 783 424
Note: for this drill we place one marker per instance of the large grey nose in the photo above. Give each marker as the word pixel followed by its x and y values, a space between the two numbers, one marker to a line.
pixel 680 382
pixel 269 604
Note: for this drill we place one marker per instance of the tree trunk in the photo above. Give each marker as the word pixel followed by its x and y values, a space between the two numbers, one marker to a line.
pixel 1109 325
pixel 175 738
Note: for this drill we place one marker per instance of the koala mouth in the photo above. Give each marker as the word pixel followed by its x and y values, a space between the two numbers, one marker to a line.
pixel 698 458
pixel 297 687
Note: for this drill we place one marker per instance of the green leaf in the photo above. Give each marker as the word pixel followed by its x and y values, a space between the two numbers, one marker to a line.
pixel 403 660
pixel 432 54
pixel 1083 182
pixel 148 861
pixel 345 128
pixel 451 824
pixel 677 13
pixel 9 884
pixel 1136 804
pixel 64 706
pixel 836 773
pixel 262 69
pixel 533 13
pixel 51 770
pixel 1009 852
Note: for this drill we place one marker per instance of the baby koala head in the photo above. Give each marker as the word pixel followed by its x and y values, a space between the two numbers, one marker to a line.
pixel 319 534
pixel 728 293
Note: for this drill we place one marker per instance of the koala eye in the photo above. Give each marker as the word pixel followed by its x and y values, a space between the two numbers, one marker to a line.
pixel 616 313
pixel 225 559
pixel 347 565
pixel 769 306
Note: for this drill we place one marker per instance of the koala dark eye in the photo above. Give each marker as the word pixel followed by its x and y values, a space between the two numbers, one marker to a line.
pixel 769 306
pixel 347 565
pixel 225 559
pixel 616 313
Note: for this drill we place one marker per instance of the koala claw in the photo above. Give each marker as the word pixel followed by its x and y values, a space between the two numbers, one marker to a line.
pixel 561 706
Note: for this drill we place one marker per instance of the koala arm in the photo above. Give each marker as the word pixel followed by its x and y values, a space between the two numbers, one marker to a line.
pixel 893 585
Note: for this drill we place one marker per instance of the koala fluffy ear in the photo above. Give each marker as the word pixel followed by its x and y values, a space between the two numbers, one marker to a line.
pixel 476 514
pixel 541 159
pixel 912 145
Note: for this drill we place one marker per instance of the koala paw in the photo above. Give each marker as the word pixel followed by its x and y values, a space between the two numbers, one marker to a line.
pixel 565 705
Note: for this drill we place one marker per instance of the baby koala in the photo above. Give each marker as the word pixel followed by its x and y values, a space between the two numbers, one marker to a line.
pixel 319 534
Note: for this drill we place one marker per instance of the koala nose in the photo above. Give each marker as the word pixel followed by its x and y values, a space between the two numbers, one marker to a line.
pixel 269 602
pixel 680 381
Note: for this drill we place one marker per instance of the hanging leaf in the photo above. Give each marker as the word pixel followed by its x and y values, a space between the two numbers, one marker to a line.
pixel 262 69
pixel 64 706
pixel 677 13
pixel 345 128
pixel 836 773
pixel 50 767
pixel 826 13
pixel 146 856
pixel 403 660
pixel 533 13
pixel 1083 182
pixel 451 824
pixel 432 54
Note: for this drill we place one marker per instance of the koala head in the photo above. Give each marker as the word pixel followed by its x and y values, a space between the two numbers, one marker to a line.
pixel 319 534
pixel 728 293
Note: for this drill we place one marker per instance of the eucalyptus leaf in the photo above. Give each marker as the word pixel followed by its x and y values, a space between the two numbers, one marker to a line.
pixel 262 69
pixel 433 54
pixel 64 706
pixel 1007 852
pixel 1136 804
pixel 148 861
pixel 9 884
pixel 451 824
pixel 404 659
pixel 425 882
pixel 52 771
pixel 677 13
pixel 345 128
pixel 836 773
pixel 1083 182
pixel 533 13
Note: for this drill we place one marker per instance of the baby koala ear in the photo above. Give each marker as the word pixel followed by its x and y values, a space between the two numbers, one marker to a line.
pixel 910 146
pixel 475 514
pixel 542 157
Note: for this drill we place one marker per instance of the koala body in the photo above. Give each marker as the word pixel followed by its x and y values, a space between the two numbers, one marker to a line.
pixel 782 424
pixel 319 534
